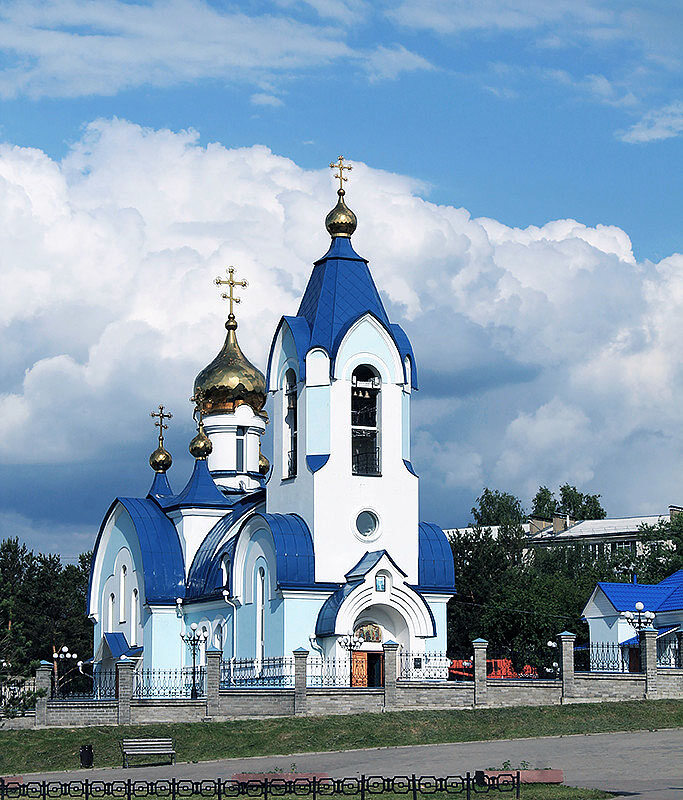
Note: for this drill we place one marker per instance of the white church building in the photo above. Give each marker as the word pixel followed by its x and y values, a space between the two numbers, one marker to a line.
pixel 326 542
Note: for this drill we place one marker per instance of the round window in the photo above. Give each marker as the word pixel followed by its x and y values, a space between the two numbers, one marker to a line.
pixel 366 523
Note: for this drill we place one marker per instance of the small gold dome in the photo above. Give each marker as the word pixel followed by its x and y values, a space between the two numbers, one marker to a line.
pixel 263 464
pixel 231 380
pixel 200 446
pixel 341 221
pixel 160 460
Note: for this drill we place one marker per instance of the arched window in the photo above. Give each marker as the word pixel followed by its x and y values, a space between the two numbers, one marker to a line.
pixel 110 612
pixel 365 439
pixel 218 638
pixel 203 645
pixel 225 571
pixel 290 432
pixel 122 593
pixel 260 613
pixel 134 616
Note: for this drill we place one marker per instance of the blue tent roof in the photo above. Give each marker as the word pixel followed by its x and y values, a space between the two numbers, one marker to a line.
pixel 339 292
pixel 435 568
pixel 162 556
pixel 367 562
pixel 200 491
pixel 205 574
pixel 160 486
pixel 664 596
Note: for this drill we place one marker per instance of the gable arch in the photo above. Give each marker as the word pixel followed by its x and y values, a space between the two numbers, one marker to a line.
pixel 366 340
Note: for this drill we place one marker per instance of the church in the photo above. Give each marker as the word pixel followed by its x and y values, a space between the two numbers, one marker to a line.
pixel 324 546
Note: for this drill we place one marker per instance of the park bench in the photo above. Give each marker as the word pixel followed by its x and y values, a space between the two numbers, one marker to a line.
pixel 147 747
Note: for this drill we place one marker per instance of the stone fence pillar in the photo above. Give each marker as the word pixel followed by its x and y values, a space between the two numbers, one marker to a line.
pixel 567 641
pixel 300 659
pixel 124 683
pixel 214 658
pixel 648 660
pixel 480 646
pixel 390 673
pixel 44 683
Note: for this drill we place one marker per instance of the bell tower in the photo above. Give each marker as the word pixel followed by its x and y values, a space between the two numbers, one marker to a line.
pixel 341 376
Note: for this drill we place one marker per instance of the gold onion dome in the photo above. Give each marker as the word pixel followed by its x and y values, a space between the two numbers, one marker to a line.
pixel 341 221
pixel 200 446
pixel 263 464
pixel 160 460
pixel 231 380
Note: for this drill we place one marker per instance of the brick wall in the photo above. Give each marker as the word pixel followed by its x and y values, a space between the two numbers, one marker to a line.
pixel 344 701
pixel 142 711
pixel 454 694
pixel 18 723
pixel 238 703
pixel 61 713
pixel 670 683
pixel 602 686
pixel 531 692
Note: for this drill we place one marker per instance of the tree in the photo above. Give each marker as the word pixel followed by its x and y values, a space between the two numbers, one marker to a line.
pixel 497 508
pixel 572 501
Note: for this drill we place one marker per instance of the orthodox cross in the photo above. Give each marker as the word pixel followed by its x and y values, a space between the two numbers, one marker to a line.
pixel 161 415
pixel 198 400
pixel 340 175
pixel 230 283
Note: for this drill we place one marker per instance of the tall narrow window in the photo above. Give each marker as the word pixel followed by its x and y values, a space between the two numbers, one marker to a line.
pixel 365 440
pixel 239 448
pixel 134 617
pixel 219 637
pixel 110 612
pixel 260 613
pixel 290 423
pixel 122 594
pixel 225 571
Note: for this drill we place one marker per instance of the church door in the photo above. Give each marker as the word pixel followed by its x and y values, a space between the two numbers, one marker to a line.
pixel 375 669
pixel 359 669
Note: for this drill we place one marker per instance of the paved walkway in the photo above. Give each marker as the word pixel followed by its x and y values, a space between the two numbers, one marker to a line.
pixel 645 764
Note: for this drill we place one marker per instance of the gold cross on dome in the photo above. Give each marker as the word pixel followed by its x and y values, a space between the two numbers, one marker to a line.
pixel 230 283
pixel 161 415
pixel 341 166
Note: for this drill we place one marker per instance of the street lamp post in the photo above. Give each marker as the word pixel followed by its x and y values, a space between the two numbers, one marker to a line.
pixel 641 619
pixel 555 665
pixel 64 658
pixel 351 642
pixel 194 641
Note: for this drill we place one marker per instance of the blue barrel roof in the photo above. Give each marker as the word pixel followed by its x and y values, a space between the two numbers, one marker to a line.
pixel 435 567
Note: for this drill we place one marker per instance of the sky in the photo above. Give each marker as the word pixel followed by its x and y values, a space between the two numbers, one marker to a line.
pixel 517 180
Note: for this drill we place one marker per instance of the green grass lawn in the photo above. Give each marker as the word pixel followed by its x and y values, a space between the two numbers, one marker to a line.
pixel 51 749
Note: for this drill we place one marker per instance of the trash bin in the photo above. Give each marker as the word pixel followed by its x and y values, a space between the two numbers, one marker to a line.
pixel 86 755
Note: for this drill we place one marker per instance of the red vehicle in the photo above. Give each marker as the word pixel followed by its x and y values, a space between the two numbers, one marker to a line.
pixel 463 669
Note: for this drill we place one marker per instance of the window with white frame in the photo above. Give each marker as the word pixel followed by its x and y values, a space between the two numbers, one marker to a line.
pixel 240 448
pixel 291 424
pixel 110 612
pixel 365 439
pixel 122 593
pixel 260 613
pixel 134 617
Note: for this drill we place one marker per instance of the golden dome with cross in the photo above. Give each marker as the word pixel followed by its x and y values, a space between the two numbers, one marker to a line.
pixel 231 380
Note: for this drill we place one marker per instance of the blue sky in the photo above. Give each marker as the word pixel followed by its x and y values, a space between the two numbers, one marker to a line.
pixel 521 112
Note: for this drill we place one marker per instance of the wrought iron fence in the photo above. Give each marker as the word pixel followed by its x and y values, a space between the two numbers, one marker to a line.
pixel 171 683
pixel 328 671
pixel 424 666
pixel 512 665
pixel 669 652
pixel 267 672
pixel 411 786
pixel 17 695
pixel 101 685
pixel 606 657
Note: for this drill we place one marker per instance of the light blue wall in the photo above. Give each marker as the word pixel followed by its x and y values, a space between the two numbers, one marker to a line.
pixel 162 643
pixel 437 644
pixel 317 420
pixel 246 616
pixel 300 615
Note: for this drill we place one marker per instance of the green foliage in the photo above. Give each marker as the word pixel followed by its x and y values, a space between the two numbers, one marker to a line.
pixel 519 597
pixel 50 749
pixel 42 606
pixel 573 502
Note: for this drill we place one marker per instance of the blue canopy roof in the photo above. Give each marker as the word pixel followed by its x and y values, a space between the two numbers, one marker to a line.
pixel 294 554
pixel 118 646
pixel 205 574
pixel 162 556
pixel 339 292
pixel 435 568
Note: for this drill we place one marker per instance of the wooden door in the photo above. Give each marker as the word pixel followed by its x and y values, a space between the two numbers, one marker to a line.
pixel 359 669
